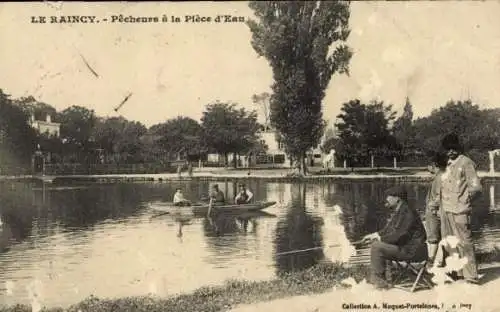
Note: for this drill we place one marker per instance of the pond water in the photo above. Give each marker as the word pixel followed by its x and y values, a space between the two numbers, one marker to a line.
pixel 63 243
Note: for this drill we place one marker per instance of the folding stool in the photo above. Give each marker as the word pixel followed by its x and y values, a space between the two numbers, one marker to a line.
pixel 411 276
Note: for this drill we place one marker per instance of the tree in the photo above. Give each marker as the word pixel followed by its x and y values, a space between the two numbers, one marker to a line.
pixel 129 145
pixel 52 146
pixel 329 140
pixel 329 144
pixel 179 135
pixel 17 138
pixel 298 230
pixel 296 37
pixel 227 129
pixel 49 143
pixel 329 133
pixel 364 129
pixel 34 108
pixel 479 129
pixel 403 128
pixel 120 138
pixel 262 100
pixel 77 129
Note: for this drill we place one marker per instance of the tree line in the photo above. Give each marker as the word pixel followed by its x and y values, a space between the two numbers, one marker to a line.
pixel 86 137
pixel 373 128
pixel 362 130
pixel 305 44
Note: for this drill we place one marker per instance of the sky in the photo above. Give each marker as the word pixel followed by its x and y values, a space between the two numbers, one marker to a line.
pixel 429 51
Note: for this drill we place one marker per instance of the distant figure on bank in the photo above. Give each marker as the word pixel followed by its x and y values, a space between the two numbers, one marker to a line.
pixel 244 195
pixel 460 185
pixel 433 209
pixel 179 199
pixel 217 196
pixel 402 239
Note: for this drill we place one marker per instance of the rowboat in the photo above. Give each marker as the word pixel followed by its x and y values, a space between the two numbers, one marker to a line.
pixel 202 208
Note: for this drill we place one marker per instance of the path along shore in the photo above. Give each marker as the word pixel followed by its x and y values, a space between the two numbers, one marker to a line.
pixel 270 175
pixel 465 297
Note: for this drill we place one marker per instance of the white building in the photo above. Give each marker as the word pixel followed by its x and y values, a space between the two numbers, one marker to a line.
pixel 276 154
pixel 276 149
pixel 47 126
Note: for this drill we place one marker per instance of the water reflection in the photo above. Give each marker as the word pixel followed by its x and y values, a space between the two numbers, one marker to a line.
pixel 298 230
pixel 70 236
pixel 227 224
pixel 492 196
pixel 17 224
pixel 229 235
pixel 359 205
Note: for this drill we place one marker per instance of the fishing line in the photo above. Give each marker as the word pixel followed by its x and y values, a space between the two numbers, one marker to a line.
pixel 312 248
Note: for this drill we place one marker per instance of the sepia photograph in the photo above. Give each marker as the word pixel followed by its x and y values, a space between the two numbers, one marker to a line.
pixel 240 156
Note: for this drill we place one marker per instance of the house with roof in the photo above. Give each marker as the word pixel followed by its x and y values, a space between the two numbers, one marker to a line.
pixel 46 126
pixel 275 155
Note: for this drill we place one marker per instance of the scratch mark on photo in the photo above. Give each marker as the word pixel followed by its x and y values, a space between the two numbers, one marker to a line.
pixel 88 65
pixel 56 5
pixel 123 102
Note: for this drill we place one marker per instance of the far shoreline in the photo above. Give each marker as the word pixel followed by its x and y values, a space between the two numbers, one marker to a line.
pixel 277 175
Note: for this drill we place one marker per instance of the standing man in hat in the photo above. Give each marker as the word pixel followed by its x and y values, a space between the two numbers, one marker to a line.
pixel 460 185
pixel 403 238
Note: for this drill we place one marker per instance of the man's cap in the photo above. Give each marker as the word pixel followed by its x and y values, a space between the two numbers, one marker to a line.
pixel 241 185
pixel 398 191
pixel 451 141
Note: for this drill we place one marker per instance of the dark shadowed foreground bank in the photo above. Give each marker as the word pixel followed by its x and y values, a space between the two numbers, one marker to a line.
pixel 314 280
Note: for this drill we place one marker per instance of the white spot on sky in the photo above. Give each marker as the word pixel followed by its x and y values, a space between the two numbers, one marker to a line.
pixel 371 89
pixel 153 289
pixel 392 54
pixel 372 19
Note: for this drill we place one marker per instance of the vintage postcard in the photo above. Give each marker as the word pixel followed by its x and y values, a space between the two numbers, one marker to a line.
pixel 250 156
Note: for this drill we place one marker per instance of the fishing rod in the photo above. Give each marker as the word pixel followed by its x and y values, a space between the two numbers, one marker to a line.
pixel 313 248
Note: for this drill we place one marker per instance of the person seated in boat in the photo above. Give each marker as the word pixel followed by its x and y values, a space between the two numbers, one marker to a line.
pixel 244 195
pixel 217 196
pixel 402 239
pixel 179 199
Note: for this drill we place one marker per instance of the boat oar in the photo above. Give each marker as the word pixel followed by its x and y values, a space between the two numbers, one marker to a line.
pixel 160 214
pixel 209 207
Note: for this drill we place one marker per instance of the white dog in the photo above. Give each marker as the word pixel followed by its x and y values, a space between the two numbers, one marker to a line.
pixel 454 262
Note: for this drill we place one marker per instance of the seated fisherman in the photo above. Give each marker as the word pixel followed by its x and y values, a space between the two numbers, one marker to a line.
pixel 244 195
pixel 179 199
pixel 217 196
pixel 402 239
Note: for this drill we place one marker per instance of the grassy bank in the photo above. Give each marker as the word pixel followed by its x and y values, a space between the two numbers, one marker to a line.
pixel 317 279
